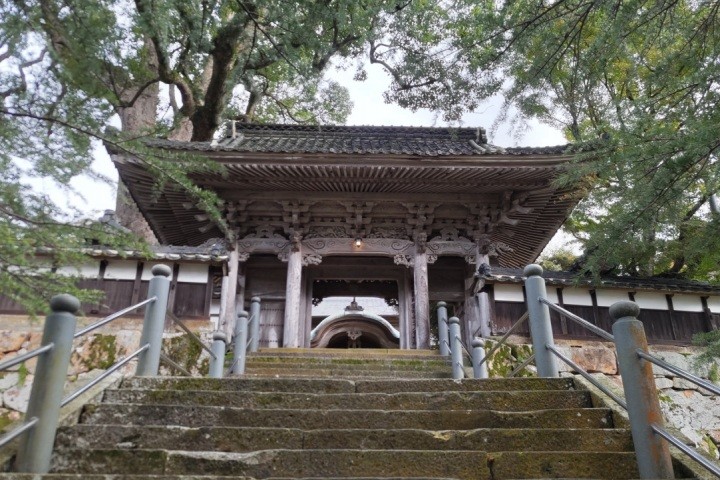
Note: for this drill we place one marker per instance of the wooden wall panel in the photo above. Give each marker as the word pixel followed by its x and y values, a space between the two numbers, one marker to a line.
pixel 657 325
pixel 190 300
pixel 506 314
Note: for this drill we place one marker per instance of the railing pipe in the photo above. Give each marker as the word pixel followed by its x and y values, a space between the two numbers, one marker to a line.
pixel 540 327
pixel 149 360
pixel 239 349
pixel 480 369
pixel 443 334
pixel 581 371
pixel 117 366
pixel 218 347
pixel 520 367
pixel 680 372
pixel 458 369
pixel 193 338
pixel 174 365
pixel 112 317
pixel 653 454
pixel 579 320
pixel 504 338
pixel 46 394
pixel 25 357
pixel 254 324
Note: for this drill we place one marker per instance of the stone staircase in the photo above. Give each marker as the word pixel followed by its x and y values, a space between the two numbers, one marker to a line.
pixel 343 414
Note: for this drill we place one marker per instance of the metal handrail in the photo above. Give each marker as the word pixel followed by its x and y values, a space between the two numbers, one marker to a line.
pixel 119 364
pixel 680 372
pixel 587 376
pixel 13 434
pixel 112 317
pixel 462 344
pixel 579 320
pixel 712 467
pixel 232 365
pixel 524 364
pixel 25 356
pixel 504 338
pixel 193 337
pixel 172 364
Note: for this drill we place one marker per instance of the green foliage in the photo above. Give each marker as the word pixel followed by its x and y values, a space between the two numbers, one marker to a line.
pixel 557 260
pixel 711 342
pixel 636 85
pixel 71 68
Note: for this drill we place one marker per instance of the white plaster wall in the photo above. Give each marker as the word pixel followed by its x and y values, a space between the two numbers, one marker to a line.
pixel 605 298
pixel 714 304
pixel 687 303
pixel 121 270
pixel 577 296
pixel 193 273
pixel 87 270
pixel 651 300
pixel 508 293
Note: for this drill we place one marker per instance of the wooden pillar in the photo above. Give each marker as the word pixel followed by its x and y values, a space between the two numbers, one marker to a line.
pixel 407 314
pixel 293 290
pixel 228 294
pixel 422 300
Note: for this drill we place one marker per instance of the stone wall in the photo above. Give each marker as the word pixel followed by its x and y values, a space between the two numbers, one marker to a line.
pixel 694 411
pixel 92 354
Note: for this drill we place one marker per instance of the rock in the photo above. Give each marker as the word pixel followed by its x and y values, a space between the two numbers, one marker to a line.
pixel 8 416
pixel 562 366
pixel 595 358
pixel 674 358
pixel 12 341
pixel 9 380
pixel 94 351
pixel 661 383
pixel 682 384
pixel 16 398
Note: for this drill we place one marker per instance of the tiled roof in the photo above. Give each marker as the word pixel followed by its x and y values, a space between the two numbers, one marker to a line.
pixel 213 251
pixel 360 140
pixel 515 275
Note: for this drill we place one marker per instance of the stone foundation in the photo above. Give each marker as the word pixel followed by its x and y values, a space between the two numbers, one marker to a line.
pixel 92 354
pixel 692 410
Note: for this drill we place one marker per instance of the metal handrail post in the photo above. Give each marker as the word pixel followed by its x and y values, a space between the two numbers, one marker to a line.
pixel 443 328
pixel 653 454
pixel 458 369
pixel 47 390
pixel 240 348
pixel 153 325
pixel 218 346
pixel 480 369
pixel 254 324
pixel 539 319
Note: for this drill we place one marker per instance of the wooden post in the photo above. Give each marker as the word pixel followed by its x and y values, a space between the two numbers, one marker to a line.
pixel 293 290
pixel 422 300
pixel 228 295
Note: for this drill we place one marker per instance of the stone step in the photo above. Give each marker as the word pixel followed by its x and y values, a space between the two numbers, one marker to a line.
pixel 304 385
pixel 343 373
pixel 356 353
pixel 85 476
pixel 347 362
pixel 461 464
pixel 229 439
pixel 310 419
pixel 486 400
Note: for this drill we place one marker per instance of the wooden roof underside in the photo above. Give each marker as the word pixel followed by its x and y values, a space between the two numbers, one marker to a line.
pixel 510 198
